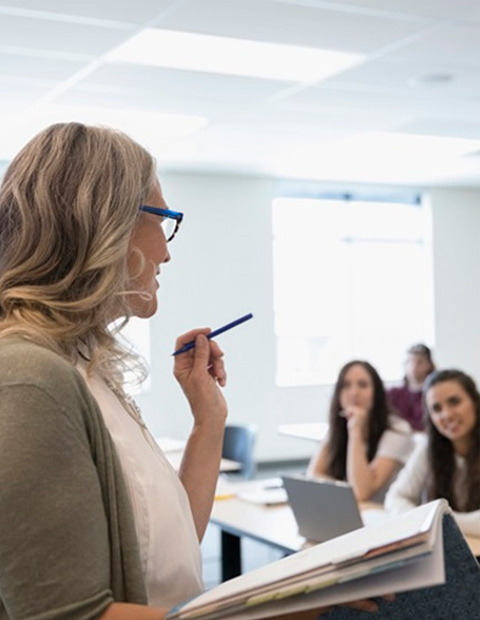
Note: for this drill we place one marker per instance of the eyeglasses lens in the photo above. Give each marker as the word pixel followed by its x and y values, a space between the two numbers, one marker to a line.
pixel 169 227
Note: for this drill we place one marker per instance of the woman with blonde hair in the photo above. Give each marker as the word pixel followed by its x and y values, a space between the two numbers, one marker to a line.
pixel 91 512
pixel 94 522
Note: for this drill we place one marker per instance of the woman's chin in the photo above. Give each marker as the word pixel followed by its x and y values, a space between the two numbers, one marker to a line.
pixel 144 308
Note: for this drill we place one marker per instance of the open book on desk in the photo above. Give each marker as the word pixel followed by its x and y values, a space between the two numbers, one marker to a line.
pixel 404 554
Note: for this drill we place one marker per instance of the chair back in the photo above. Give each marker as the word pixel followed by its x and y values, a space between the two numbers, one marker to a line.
pixel 238 445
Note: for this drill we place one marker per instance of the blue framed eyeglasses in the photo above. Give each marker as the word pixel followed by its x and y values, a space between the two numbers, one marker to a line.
pixel 171 219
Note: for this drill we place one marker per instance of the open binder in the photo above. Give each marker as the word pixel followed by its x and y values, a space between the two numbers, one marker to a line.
pixel 420 554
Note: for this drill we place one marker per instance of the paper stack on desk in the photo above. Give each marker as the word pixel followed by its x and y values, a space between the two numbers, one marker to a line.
pixel 404 554
pixel 265 492
pixel 268 492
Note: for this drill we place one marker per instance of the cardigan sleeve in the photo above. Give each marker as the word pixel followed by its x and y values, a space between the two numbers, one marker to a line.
pixel 54 542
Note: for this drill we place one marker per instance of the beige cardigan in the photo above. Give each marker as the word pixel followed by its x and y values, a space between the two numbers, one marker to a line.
pixel 67 540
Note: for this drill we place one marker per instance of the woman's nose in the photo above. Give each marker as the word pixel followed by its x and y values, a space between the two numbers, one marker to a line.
pixel 446 413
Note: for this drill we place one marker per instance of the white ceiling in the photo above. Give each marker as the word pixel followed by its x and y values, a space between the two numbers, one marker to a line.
pixel 53 52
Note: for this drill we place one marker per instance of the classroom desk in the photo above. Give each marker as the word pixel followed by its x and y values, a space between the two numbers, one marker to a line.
pixel 272 525
pixel 173 450
pixel 314 431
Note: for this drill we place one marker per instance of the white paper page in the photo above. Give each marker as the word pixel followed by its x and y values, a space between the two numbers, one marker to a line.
pixel 374 516
pixel 265 497
pixel 353 544
pixel 424 572
pixel 240 487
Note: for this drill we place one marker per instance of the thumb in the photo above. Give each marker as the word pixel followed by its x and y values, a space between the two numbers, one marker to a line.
pixel 202 350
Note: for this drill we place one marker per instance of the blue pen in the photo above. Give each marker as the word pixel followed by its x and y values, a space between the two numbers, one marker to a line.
pixel 216 332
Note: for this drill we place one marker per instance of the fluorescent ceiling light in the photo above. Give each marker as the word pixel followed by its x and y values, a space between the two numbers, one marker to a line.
pixel 151 129
pixel 212 54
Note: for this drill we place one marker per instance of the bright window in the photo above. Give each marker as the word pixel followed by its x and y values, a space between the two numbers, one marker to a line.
pixel 352 280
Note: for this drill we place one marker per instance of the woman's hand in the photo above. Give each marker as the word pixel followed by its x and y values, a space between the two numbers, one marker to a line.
pixel 357 418
pixel 200 372
pixel 312 614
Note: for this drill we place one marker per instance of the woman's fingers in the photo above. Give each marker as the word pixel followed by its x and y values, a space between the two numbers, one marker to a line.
pixel 216 366
pixel 190 336
pixel 369 604
pixel 365 605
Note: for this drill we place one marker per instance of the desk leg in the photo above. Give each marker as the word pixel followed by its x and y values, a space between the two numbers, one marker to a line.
pixel 231 556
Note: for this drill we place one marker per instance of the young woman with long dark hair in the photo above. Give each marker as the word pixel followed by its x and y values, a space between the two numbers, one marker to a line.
pixel 367 443
pixel 447 464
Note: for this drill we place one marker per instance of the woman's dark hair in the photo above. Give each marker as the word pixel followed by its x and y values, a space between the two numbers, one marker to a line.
pixel 377 421
pixel 441 452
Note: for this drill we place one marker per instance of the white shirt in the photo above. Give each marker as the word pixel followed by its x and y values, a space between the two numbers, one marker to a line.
pixel 396 443
pixel 409 490
pixel 169 546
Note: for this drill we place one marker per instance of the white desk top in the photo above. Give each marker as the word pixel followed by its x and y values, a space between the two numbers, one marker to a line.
pixel 276 525
pixel 314 431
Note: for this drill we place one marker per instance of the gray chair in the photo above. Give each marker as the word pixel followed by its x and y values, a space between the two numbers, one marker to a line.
pixel 238 445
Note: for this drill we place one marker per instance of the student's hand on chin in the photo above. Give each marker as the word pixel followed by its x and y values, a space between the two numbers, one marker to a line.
pixel 356 417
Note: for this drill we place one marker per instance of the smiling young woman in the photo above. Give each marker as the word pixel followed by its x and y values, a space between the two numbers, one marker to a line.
pixel 448 464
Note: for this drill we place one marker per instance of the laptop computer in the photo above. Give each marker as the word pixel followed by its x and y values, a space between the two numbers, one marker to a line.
pixel 323 509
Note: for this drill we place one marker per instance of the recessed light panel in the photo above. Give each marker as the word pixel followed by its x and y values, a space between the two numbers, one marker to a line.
pixel 213 54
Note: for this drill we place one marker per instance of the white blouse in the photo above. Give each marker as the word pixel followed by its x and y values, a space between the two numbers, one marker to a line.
pixel 396 443
pixel 409 490
pixel 169 546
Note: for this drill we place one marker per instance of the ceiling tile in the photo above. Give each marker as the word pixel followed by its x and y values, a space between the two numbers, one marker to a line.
pixel 17 95
pixel 405 77
pixel 258 125
pixel 135 12
pixel 147 87
pixel 444 9
pixel 445 44
pixel 447 127
pixel 15 65
pixel 314 121
pixel 284 23
pixel 41 34
pixel 356 101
